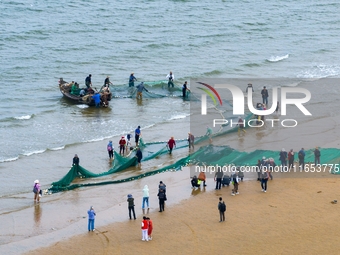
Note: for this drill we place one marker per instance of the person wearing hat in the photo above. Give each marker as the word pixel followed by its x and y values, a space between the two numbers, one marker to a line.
pixel 131 206
pixel 171 144
pixel 36 190
pixel 265 95
pixel 122 143
pixel 137 135
pixel 110 149
pixel 132 80
pixel 107 81
pixel 171 78
pixel 92 214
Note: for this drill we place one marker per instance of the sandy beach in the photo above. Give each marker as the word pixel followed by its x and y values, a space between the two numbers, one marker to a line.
pixel 295 216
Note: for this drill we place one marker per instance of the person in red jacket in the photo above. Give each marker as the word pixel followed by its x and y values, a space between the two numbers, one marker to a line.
pixel 171 144
pixel 122 143
pixel 150 228
pixel 145 226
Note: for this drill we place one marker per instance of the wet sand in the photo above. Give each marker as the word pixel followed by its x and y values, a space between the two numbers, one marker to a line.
pixel 295 216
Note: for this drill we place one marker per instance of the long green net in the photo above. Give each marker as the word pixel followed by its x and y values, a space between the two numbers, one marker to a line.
pixel 205 155
pixel 156 89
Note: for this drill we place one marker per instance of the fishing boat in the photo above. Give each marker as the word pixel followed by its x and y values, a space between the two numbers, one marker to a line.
pixel 71 91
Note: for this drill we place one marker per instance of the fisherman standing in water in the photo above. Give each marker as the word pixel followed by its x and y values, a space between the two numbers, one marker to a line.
pixel 132 80
pixel 137 135
pixel 171 78
pixel 240 125
pixel 191 140
pixel 107 82
pixel 140 88
pixel 209 133
pixel 184 89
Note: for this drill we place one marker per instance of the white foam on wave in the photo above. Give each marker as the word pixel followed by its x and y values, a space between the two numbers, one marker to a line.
pixel 33 152
pixel 25 117
pixel 179 116
pixel 277 58
pixel 58 148
pixel 8 159
pixel 320 71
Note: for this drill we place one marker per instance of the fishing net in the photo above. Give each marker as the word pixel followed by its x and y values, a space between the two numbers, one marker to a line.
pixel 156 89
pixel 205 155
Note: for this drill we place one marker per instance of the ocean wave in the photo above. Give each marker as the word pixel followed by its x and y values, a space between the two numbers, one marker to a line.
pixel 57 148
pixel 8 159
pixel 277 58
pixel 320 71
pixel 179 116
pixel 25 117
pixel 33 152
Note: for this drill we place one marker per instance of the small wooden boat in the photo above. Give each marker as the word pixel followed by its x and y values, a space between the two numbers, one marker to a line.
pixel 84 95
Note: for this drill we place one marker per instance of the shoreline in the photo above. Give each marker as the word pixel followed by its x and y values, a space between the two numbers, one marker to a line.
pixel 192 225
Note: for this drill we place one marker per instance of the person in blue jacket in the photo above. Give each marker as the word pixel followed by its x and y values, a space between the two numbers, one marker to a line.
pixel 92 215
pixel 96 98
pixel 132 80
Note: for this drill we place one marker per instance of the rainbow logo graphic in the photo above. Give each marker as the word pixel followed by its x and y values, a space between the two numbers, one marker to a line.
pixel 209 92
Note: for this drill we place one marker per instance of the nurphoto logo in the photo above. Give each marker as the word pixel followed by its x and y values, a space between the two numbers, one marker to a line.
pixel 239 103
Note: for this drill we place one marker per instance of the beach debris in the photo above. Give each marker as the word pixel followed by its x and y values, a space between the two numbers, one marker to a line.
pixel 273 206
pixel 53 229
pixel 319 191
pixel 334 201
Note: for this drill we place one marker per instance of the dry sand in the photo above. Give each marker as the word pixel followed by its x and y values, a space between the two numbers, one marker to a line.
pixel 295 216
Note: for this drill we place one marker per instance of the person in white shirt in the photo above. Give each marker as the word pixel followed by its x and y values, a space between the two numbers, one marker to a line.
pixel 171 78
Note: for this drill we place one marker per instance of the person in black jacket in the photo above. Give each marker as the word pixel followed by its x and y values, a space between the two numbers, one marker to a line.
pixel 264 93
pixel 317 155
pixel 162 197
pixel 221 208
pixel 75 160
pixel 131 206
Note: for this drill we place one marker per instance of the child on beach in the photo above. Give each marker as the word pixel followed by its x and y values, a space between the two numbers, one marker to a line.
pixel 221 208
pixel 150 228
pixel 144 227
